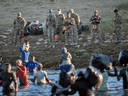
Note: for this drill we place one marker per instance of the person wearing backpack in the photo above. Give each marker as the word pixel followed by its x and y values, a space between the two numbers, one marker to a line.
pixel 123 73
pixel 82 85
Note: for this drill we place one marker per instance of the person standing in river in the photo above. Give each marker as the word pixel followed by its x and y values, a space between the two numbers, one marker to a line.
pixel 8 78
pixel 32 65
pixel 25 54
pixel 123 73
pixel 21 72
pixel 41 76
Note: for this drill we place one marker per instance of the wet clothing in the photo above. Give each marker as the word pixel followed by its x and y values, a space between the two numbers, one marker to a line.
pixel 25 55
pixel 50 21
pixel 64 67
pixel 82 86
pixel 124 73
pixel 1 71
pixel 25 45
pixel 118 26
pixel 104 85
pixel 61 85
pixel 19 24
pixel 96 28
pixel 40 77
pixel 66 58
pixel 70 69
pixel 68 23
pixel 7 82
pixel 22 76
pixel 31 65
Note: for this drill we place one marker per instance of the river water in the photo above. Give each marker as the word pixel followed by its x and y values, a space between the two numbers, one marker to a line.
pixel 115 87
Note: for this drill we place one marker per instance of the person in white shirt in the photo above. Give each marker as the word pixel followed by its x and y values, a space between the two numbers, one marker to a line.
pixel 26 44
pixel 41 76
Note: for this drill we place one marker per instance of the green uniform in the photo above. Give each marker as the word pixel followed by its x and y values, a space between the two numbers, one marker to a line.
pixel 97 28
pixel 75 27
pixel 124 73
pixel 59 24
pixel 69 31
pixel 19 24
pixel 118 25
pixel 50 21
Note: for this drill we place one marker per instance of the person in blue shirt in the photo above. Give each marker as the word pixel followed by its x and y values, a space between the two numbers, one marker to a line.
pixel 32 65
pixel 25 54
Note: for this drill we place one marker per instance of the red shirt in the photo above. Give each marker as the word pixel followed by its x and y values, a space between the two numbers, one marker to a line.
pixel 22 75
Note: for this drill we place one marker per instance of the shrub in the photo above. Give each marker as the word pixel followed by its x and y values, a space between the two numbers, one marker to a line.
pixel 122 6
pixel 98 51
pixel 85 55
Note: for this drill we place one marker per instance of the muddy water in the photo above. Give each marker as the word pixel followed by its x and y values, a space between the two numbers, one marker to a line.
pixel 115 87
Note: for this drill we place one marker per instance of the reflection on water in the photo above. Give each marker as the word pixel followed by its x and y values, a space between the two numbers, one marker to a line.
pixel 115 87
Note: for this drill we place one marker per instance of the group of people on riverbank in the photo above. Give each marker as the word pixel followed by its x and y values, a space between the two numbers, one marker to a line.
pixel 59 26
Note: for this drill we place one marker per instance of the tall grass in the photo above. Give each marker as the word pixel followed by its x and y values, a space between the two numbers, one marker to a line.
pixel 123 5
pixel 109 25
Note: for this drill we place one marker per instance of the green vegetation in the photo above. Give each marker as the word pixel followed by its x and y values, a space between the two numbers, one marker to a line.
pixel 123 5
pixel 51 0
pixel 86 55
pixel 109 25
pixel 98 51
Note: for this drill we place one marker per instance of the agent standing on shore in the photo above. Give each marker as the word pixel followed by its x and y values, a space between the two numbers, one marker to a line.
pixel 118 25
pixel 95 20
pixel 50 22
pixel 19 24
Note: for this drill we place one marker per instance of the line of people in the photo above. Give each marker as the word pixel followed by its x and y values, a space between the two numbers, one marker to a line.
pixel 61 25
pixel 7 77
pixel 69 83
pixel 58 24
pixel 55 24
